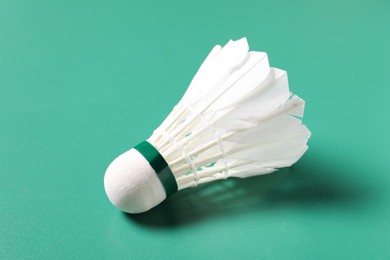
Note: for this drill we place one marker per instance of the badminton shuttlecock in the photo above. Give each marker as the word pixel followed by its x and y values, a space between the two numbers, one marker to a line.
pixel 236 119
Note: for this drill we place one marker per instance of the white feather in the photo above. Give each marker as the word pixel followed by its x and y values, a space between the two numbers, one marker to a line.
pixel 236 119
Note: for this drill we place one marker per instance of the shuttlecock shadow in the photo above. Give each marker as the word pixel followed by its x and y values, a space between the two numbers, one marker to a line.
pixel 308 184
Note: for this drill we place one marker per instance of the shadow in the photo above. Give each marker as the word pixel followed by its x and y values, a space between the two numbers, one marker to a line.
pixel 309 183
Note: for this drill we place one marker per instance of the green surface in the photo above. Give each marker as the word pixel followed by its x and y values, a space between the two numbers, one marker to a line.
pixel 82 81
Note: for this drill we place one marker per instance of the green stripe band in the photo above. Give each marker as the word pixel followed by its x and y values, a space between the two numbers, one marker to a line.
pixel 159 165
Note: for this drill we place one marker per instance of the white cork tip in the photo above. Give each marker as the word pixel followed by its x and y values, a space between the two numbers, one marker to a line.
pixel 131 183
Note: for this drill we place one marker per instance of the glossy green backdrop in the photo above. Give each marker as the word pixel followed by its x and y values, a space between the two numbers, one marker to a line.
pixel 83 81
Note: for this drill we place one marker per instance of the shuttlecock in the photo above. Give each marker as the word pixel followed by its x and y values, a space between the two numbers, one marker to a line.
pixel 236 119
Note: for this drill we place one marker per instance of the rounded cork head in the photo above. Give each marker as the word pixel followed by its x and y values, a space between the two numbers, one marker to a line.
pixel 132 185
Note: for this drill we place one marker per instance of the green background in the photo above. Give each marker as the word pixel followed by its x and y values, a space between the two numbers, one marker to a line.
pixel 83 81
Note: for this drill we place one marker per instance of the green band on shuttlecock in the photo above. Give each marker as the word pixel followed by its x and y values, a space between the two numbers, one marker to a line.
pixel 159 165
